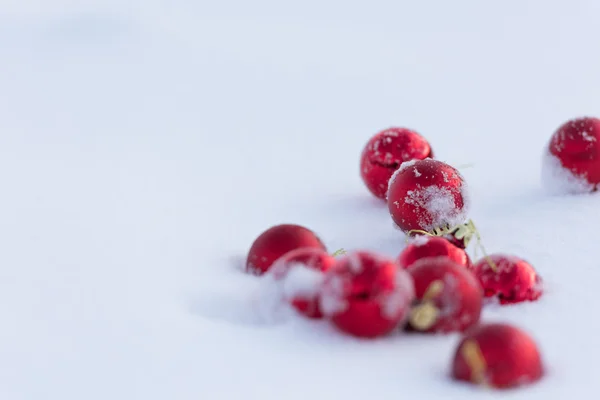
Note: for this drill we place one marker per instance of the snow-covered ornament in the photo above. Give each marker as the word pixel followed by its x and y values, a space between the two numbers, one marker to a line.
pixel 449 298
pixel 277 241
pixel 430 197
pixel 508 278
pixel 385 152
pixel 366 295
pixel 300 274
pixel 497 355
pixel 432 246
pixel 571 161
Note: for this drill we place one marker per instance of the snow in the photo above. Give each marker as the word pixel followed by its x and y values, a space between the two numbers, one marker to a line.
pixel 558 180
pixel 420 240
pixel 440 205
pixel 302 281
pixel 144 145
pixel 399 301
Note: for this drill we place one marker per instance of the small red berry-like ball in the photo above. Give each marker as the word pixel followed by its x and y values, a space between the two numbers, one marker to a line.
pixel 427 194
pixel 275 242
pixel 384 154
pixel 508 278
pixel 424 246
pixel 366 295
pixel 301 274
pixel 572 159
pixel 497 355
pixel 449 297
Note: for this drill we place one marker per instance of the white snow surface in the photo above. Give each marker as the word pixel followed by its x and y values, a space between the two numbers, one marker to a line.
pixel 145 144
pixel 558 180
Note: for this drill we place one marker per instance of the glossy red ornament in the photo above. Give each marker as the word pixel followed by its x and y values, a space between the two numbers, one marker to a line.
pixel 432 246
pixel 275 242
pixel 449 298
pixel 508 278
pixel 574 155
pixel 427 194
pixel 301 272
pixel 366 295
pixel 497 355
pixel 385 152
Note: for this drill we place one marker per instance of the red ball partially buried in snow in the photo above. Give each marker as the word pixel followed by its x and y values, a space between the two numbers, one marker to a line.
pixel 427 194
pixel 572 159
pixel 432 246
pixel 508 278
pixel 301 272
pixel 497 355
pixel 449 298
pixel 385 152
pixel 277 241
pixel 366 295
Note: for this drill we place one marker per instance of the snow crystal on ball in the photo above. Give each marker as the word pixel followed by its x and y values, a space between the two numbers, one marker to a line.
pixel 420 240
pixel 557 179
pixel 400 299
pixel 280 285
pixel 440 205
pixel 332 300
pixel 302 281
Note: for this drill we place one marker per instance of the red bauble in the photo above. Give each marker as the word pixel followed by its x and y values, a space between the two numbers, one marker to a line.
pixel 573 161
pixel 432 246
pixel 301 272
pixel 384 154
pixel 366 295
pixel 427 194
pixel 497 355
pixel 449 297
pixel 508 278
pixel 275 242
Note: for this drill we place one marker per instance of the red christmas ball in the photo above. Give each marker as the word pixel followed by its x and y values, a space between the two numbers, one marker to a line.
pixel 385 152
pixel 497 355
pixel 301 272
pixel 427 194
pixel 432 246
pixel 275 242
pixel 449 298
pixel 366 295
pixel 572 162
pixel 508 278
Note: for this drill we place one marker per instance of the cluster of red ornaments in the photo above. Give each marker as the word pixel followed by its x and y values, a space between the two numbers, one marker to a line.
pixel 432 287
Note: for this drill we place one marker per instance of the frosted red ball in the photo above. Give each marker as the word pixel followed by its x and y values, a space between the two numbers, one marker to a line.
pixel 427 194
pixel 277 241
pixel 366 295
pixel 497 355
pixel 508 278
pixel 576 145
pixel 432 246
pixel 385 152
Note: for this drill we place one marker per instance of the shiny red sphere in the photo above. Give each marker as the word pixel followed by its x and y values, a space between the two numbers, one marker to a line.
pixel 508 278
pixel 497 355
pixel 449 297
pixel 427 194
pixel 302 271
pixel 275 242
pixel 385 152
pixel 576 145
pixel 366 295
pixel 432 246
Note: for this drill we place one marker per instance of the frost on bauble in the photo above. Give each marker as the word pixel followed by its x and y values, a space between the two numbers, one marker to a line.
pixel 556 179
pixel 439 204
pixel 278 288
